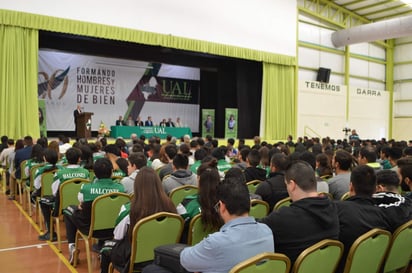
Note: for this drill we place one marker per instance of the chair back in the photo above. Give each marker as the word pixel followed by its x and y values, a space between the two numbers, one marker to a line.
pixel 197 231
pixel 32 173
pixel 46 182
pixel 178 194
pixel 23 175
pixel 68 191
pixel 326 194
pixel 252 185
pixel 258 208
pixel 345 196
pixel 105 210
pixel 161 228
pixel 400 250
pixel 266 262
pixel 285 202
pixel 368 252
pixel 322 257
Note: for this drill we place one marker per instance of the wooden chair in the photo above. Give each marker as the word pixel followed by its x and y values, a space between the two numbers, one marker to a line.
pixel 285 202
pixel 105 210
pixel 266 262
pixel 178 194
pixel 21 182
pixel 367 253
pixel 400 250
pixel 258 208
pixel 197 231
pixel 252 185
pixel 68 191
pixel 345 196
pixel 30 186
pixel 45 190
pixel 322 257
pixel 150 232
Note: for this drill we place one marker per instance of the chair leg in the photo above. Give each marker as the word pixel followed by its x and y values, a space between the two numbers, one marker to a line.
pixel 111 268
pixel 19 186
pixel 29 208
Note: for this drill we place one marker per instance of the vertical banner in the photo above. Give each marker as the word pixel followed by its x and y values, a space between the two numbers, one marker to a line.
pixel 42 118
pixel 208 122
pixel 231 123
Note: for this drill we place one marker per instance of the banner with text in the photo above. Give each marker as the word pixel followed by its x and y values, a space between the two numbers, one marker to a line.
pixel 111 87
pixel 208 122
pixel 231 123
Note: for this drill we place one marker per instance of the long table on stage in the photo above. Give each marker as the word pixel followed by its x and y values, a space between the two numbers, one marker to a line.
pixel 162 132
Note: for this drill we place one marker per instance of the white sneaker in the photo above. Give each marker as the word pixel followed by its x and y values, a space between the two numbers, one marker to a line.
pixel 72 251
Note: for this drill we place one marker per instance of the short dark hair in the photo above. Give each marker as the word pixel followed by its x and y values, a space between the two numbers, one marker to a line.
pixel 244 152
pixel 200 154
pixel 50 155
pixel 112 149
pixel 73 155
pixel 236 175
pixel 280 161
pixel 407 151
pixel 369 153
pixel 388 178
pixel 103 168
pixel 180 161
pixel 344 159
pixel 254 157
pixel 138 159
pixel 171 150
pixel 363 179
pixel 231 141
pixel 405 169
pixel 28 140
pixel 218 154
pixel 395 153
pixel 235 196
pixel 309 158
pixel 303 174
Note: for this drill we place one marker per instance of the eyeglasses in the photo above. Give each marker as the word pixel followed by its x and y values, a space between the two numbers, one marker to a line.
pixel 217 206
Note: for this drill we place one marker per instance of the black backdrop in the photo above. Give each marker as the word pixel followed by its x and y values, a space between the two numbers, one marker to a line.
pixel 224 82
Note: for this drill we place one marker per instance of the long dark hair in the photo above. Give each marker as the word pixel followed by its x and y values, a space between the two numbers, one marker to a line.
pixel 149 197
pixel 209 179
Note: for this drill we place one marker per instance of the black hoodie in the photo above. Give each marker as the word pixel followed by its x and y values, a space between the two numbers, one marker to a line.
pixel 254 173
pixel 304 223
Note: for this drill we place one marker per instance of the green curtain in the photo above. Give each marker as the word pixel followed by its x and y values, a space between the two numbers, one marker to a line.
pixel 18 82
pixel 278 101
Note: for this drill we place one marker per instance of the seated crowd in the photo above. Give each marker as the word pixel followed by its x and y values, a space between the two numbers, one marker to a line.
pixel 338 190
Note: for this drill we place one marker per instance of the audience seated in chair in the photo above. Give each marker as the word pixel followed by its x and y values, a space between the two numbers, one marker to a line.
pixel 308 220
pixel 136 161
pixel 252 172
pixel 180 176
pixel 339 184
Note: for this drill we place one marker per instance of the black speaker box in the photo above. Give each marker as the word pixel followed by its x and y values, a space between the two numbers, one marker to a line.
pixel 323 75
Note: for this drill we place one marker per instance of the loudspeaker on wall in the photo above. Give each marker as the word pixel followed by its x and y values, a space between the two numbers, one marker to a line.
pixel 323 75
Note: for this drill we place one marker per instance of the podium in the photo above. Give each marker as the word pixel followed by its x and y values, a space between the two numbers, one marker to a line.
pixel 84 125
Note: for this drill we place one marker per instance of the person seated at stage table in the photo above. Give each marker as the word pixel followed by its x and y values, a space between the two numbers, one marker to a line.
pixel 130 121
pixel 178 122
pixel 170 123
pixel 163 123
pixel 149 121
pixel 138 121
pixel 120 121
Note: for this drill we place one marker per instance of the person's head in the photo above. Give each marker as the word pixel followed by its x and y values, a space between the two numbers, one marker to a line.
pixel 405 173
pixel 300 180
pixel 394 154
pixel 37 153
pixel 171 151
pixel 236 175
pixel 149 196
pixel 185 149
pixel 308 157
pixel 234 200
pixel 73 155
pixel 28 141
pixel 50 156
pixel 279 162
pixel 103 168
pixel 342 160
pixel 230 142
pixel 180 162
pixel 136 162
pixel 218 154
pixel 19 145
pixel 4 139
pixel 363 181
pixel 367 155
pixel 244 153
pixel 256 140
pixel 122 164
pixel 253 158
pixel 10 142
pixel 112 149
pixel 200 154
pixel 387 180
